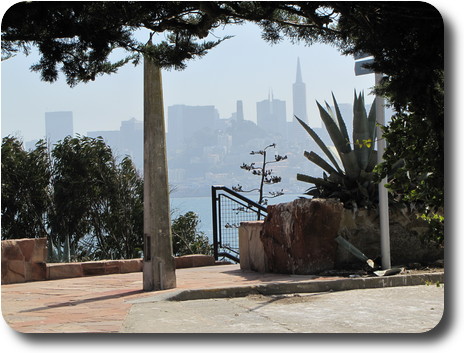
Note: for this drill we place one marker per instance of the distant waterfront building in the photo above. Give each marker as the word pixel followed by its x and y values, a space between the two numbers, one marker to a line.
pixel 111 137
pixel 239 114
pixel 58 125
pixel 127 141
pixel 272 115
pixel 184 121
pixel 132 140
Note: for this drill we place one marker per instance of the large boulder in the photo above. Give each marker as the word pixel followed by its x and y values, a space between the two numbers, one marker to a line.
pixel 299 236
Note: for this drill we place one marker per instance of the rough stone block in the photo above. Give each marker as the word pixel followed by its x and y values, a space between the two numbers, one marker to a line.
pixel 195 260
pixel 11 251
pixel 202 260
pixel 39 254
pixel 93 268
pixel 26 247
pixel 299 236
pixel 64 270
pixel 37 271
pixel 132 265
pixel 4 270
pixel 184 262
pixel 112 266
pixel 13 271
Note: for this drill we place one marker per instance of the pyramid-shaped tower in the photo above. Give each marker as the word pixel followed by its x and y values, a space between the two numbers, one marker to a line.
pixel 299 96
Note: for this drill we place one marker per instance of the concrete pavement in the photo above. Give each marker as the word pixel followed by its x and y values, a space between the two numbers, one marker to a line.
pixel 116 303
pixel 411 309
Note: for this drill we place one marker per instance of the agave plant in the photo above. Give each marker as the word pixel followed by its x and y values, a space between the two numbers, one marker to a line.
pixel 348 176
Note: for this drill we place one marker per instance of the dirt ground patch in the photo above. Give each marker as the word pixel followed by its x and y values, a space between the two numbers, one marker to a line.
pixel 365 271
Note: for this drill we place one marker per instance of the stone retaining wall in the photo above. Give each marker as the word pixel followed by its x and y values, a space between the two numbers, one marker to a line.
pixel 290 249
pixel 408 243
pixel 24 260
pixel 92 268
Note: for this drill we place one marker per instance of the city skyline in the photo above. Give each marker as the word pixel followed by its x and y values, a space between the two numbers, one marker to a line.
pixel 215 80
pixel 205 149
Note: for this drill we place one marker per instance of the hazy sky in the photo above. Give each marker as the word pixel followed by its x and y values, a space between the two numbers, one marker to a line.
pixel 242 68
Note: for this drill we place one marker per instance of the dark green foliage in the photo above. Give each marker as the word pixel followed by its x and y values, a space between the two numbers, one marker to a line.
pixel 186 238
pixel 107 198
pixel 83 194
pixel 126 238
pixel 414 170
pixel 25 189
pixel 83 181
pixel 79 194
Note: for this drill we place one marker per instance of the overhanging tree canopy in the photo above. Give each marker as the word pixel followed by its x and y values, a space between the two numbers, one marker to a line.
pixel 82 35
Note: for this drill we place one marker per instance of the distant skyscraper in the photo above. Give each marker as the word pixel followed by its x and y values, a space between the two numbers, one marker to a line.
pixel 132 140
pixel 299 96
pixel 272 115
pixel 58 125
pixel 240 111
pixel 184 121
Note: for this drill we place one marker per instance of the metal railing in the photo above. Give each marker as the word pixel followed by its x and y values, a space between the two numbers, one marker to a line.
pixel 229 209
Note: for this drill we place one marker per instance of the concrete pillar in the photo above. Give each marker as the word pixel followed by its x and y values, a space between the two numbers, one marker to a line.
pixel 159 264
pixel 252 255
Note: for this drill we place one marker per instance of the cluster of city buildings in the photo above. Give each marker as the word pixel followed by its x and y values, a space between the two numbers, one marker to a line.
pixel 205 149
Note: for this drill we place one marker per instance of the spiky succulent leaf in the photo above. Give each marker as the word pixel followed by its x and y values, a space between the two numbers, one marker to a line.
pixel 329 110
pixel 331 125
pixel 312 180
pixel 371 121
pixel 335 153
pixel 362 137
pixel 372 161
pixel 350 163
pixel 320 143
pixel 341 122
pixel 320 162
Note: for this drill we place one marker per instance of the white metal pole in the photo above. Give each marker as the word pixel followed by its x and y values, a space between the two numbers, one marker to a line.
pixel 383 192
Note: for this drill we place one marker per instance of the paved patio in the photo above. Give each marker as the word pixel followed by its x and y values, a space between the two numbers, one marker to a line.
pixel 100 304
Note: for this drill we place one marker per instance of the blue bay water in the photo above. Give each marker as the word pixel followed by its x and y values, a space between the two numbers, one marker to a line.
pixel 202 206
